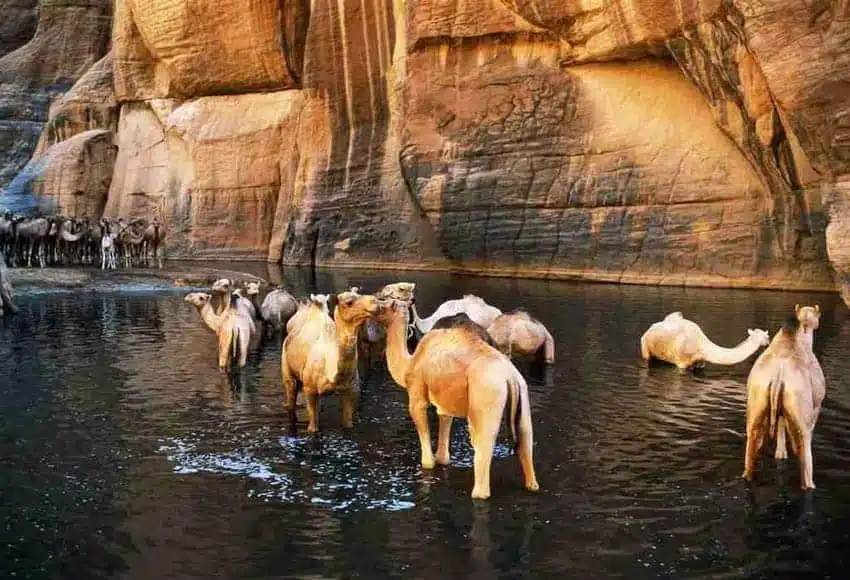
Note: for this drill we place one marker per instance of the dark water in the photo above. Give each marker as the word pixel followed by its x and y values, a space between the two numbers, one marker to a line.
pixel 124 454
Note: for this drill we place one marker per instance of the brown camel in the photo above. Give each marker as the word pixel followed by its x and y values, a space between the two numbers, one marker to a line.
pixel 305 307
pixel 785 390
pixel 518 334
pixel 320 354
pixel 455 370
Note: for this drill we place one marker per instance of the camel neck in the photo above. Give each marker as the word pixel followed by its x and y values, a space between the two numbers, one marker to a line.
pixel 210 318
pixel 398 359
pixel 720 355
pixel 806 336
pixel 422 325
pixel 346 338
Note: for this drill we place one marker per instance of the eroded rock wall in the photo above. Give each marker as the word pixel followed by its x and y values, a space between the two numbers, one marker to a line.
pixel 693 142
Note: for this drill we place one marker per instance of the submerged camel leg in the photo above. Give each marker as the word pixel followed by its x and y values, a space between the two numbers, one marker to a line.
pixel 526 445
pixel 243 350
pixel 801 438
pixel 757 410
pixel 224 344
pixel 549 349
pixel 445 435
pixel 348 401
pixel 418 408
pixel 781 450
pixel 312 409
pixel 289 387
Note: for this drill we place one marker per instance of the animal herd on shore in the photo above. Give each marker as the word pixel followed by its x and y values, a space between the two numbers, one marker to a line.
pixel 63 241
pixel 462 364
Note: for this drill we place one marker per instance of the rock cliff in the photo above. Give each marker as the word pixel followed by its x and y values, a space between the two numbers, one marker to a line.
pixel 693 142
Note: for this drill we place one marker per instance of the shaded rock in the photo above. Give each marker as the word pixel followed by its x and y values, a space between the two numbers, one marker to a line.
pixel 78 173
pixel 20 18
pixel 71 36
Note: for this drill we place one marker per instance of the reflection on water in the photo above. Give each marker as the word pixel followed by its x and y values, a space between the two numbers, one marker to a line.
pixel 124 452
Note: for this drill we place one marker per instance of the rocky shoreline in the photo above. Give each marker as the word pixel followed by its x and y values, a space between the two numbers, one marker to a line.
pixel 90 278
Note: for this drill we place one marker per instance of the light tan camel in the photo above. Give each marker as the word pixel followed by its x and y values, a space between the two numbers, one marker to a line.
pixel 372 341
pixel 476 308
pixel 234 327
pixel 455 370
pixel 785 390
pixel 321 355
pixel 518 334
pixel 319 301
pixel 681 342
pixel 221 290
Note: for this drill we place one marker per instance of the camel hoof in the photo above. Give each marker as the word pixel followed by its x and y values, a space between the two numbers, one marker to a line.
pixel 428 464
pixel 781 456
pixel 747 476
pixel 478 494
pixel 807 488
pixel 444 460
pixel 312 429
pixel 533 486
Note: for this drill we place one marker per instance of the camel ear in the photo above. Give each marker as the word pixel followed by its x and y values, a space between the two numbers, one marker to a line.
pixel 817 308
pixel 797 309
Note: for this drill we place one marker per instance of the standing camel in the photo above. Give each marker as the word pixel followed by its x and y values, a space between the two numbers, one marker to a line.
pixel 305 307
pixel 785 390
pixel 455 370
pixel 7 305
pixel 320 354
pixel 681 342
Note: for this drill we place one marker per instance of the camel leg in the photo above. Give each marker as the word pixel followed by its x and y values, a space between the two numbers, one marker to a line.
pixel 485 440
pixel 244 341
pixel 418 408
pixel 348 401
pixel 644 350
pixel 757 415
pixel 549 349
pixel 224 343
pixel 289 386
pixel 801 441
pixel 781 450
pixel 526 444
pixel 445 435
pixel 312 397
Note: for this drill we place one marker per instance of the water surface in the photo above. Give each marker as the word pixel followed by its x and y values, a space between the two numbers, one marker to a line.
pixel 125 454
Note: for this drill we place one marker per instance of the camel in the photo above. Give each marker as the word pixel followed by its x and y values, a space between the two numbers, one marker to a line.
pixel 276 308
pixel 233 327
pixel 372 341
pixel 785 391
pixel 32 234
pixel 221 290
pixel 319 301
pixel 321 355
pixel 455 370
pixel 151 239
pixel 681 342
pixel 108 252
pixel 518 334
pixel 476 308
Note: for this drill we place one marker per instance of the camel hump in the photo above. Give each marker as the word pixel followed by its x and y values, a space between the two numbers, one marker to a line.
pixel 462 321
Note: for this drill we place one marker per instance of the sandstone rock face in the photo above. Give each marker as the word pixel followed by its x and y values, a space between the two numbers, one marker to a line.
pixel 19 21
pixel 71 36
pixel 695 142
pixel 181 49
pixel 77 173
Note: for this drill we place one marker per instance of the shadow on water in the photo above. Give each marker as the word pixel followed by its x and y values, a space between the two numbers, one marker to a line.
pixel 124 452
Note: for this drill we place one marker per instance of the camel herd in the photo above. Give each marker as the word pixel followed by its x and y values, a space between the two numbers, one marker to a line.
pixel 462 364
pixel 58 240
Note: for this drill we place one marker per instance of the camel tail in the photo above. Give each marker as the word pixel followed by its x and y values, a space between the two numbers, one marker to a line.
pixel 515 384
pixel 777 386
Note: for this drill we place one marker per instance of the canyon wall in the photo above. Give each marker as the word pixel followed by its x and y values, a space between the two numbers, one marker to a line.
pixel 688 142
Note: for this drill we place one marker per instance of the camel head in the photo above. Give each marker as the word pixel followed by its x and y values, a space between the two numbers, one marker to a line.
pixel 402 291
pixel 197 299
pixel 354 308
pixel 252 288
pixel 761 335
pixel 222 285
pixel 809 316
pixel 391 309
